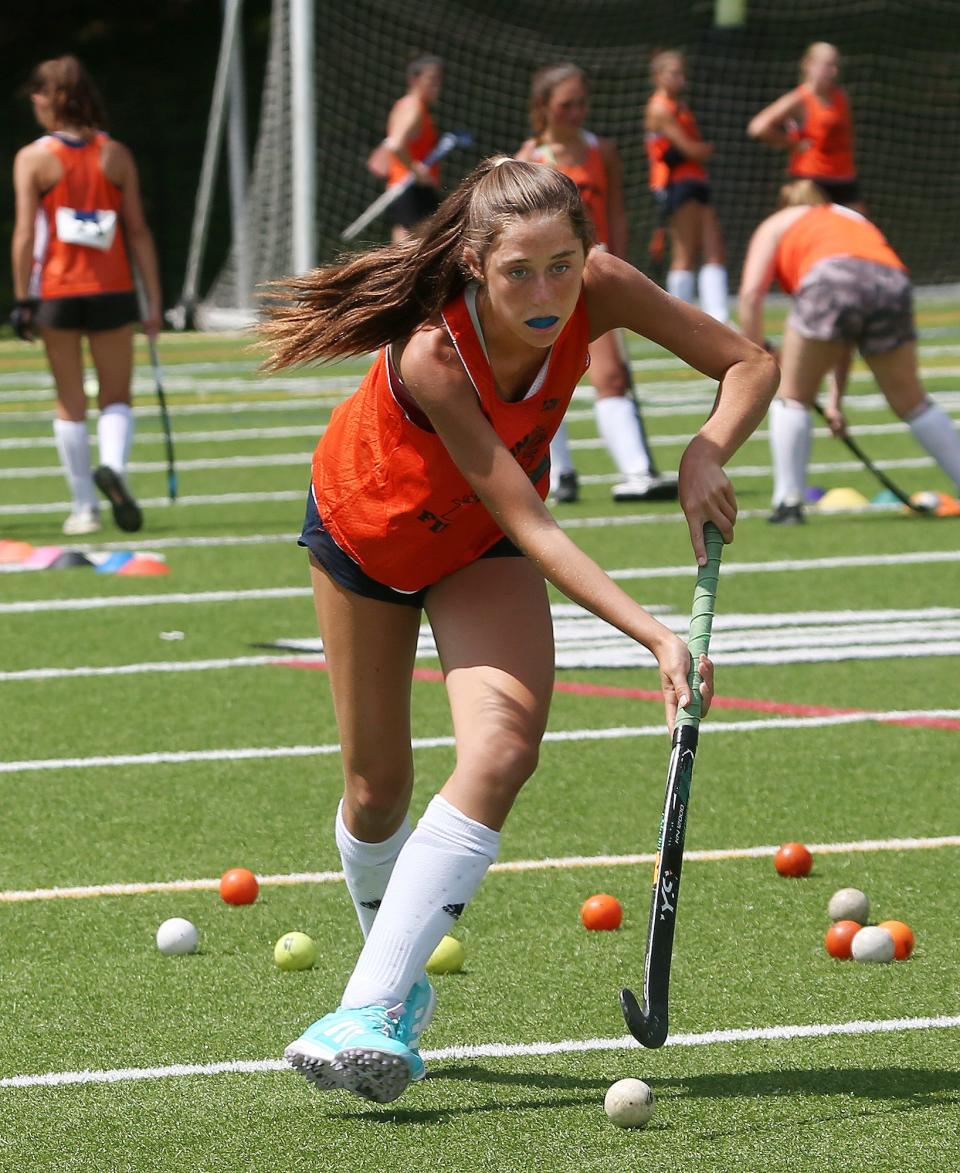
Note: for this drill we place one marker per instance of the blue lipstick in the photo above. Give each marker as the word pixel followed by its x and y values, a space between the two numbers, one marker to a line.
pixel 543 323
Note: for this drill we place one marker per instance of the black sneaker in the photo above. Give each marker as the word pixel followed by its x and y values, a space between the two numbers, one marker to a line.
pixel 126 512
pixel 787 515
pixel 568 489
pixel 649 487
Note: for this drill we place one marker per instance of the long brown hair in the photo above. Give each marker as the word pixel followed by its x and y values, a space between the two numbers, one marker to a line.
pixel 366 300
pixel 74 98
pixel 542 85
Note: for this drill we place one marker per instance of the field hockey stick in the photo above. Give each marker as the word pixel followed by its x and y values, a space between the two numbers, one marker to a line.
pixel 871 467
pixel 164 418
pixel 448 142
pixel 648 1024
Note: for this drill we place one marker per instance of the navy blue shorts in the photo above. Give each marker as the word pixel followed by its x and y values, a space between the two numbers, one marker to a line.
pixel 675 195
pixel 91 313
pixel 346 573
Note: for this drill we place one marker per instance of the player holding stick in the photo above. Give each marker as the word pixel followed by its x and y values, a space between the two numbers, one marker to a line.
pixel 427 492
pixel 411 136
pixel 681 188
pixel 849 288
pixel 558 107
pixel 82 188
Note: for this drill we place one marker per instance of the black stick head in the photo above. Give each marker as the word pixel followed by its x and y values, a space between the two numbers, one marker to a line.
pixel 648 1027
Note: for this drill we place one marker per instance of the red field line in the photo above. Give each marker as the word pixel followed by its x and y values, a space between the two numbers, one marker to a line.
pixel 747 704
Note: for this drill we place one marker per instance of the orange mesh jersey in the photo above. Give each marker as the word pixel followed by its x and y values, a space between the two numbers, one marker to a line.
pixel 388 491
pixel 72 270
pixel 418 148
pixel 828 130
pixel 658 145
pixel 590 176
pixel 829 231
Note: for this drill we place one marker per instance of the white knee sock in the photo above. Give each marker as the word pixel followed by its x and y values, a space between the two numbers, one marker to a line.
pixel 74 450
pixel 435 875
pixel 115 433
pixel 619 427
pixel 791 432
pixel 934 430
pixel 560 460
pixel 714 294
pixel 367 867
pixel 682 283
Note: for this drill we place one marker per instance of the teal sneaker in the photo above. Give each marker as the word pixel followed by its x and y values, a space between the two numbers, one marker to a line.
pixel 417 1014
pixel 358 1050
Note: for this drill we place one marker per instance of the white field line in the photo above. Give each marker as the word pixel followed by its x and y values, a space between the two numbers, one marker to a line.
pixel 636 573
pixel 302 458
pixel 182 502
pixel 509 867
pixel 613 733
pixel 584 640
pixel 654 403
pixel 254 434
pixel 818 1030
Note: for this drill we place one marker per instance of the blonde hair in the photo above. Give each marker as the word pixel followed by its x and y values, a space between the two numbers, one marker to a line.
pixel 365 300
pixel 801 191
pixel 811 49
pixel 542 85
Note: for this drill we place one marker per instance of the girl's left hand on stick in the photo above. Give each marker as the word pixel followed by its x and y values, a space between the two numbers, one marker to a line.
pixel 706 494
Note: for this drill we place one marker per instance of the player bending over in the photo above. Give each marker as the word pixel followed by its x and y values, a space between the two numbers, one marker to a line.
pixel 849 288
pixel 428 493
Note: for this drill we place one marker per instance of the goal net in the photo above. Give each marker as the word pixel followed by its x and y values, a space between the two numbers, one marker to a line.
pixel 900 66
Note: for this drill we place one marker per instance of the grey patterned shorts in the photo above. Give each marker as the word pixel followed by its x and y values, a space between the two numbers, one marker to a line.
pixel 844 299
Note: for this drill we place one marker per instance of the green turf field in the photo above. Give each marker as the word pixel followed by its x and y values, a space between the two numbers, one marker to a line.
pixel 149 737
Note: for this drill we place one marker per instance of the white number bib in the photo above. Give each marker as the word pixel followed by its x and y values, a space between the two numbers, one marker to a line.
pixel 90 229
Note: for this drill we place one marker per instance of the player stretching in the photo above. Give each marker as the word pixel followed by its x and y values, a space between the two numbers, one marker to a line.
pixel 427 492
pixel 681 188
pixel 849 288
pixel 558 107
pixel 79 210
pixel 813 123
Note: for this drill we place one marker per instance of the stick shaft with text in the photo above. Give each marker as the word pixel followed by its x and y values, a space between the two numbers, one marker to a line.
pixel 648 1023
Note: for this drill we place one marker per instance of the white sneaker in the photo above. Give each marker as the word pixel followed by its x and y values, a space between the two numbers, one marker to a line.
pixel 649 487
pixel 84 520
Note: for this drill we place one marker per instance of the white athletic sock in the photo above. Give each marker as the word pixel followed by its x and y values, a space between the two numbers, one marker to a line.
pixel 74 450
pixel 791 432
pixel 435 875
pixel 367 867
pixel 560 460
pixel 934 430
pixel 682 283
pixel 714 294
pixel 115 433
pixel 619 427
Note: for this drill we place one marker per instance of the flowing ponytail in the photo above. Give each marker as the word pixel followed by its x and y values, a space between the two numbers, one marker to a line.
pixel 366 300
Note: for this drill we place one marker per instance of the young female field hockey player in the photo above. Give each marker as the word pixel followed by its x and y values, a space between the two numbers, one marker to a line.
pixel 427 492
pixel 813 123
pixel 411 136
pixel 78 213
pixel 558 107
pixel 681 188
pixel 849 288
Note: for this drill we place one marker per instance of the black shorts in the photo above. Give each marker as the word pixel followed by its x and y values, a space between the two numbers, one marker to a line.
pixel 346 573
pixel 93 312
pixel 675 195
pixel 417 203
pixel 838 191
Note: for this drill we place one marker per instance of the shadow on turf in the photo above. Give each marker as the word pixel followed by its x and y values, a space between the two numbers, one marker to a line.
pixel 916 1086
